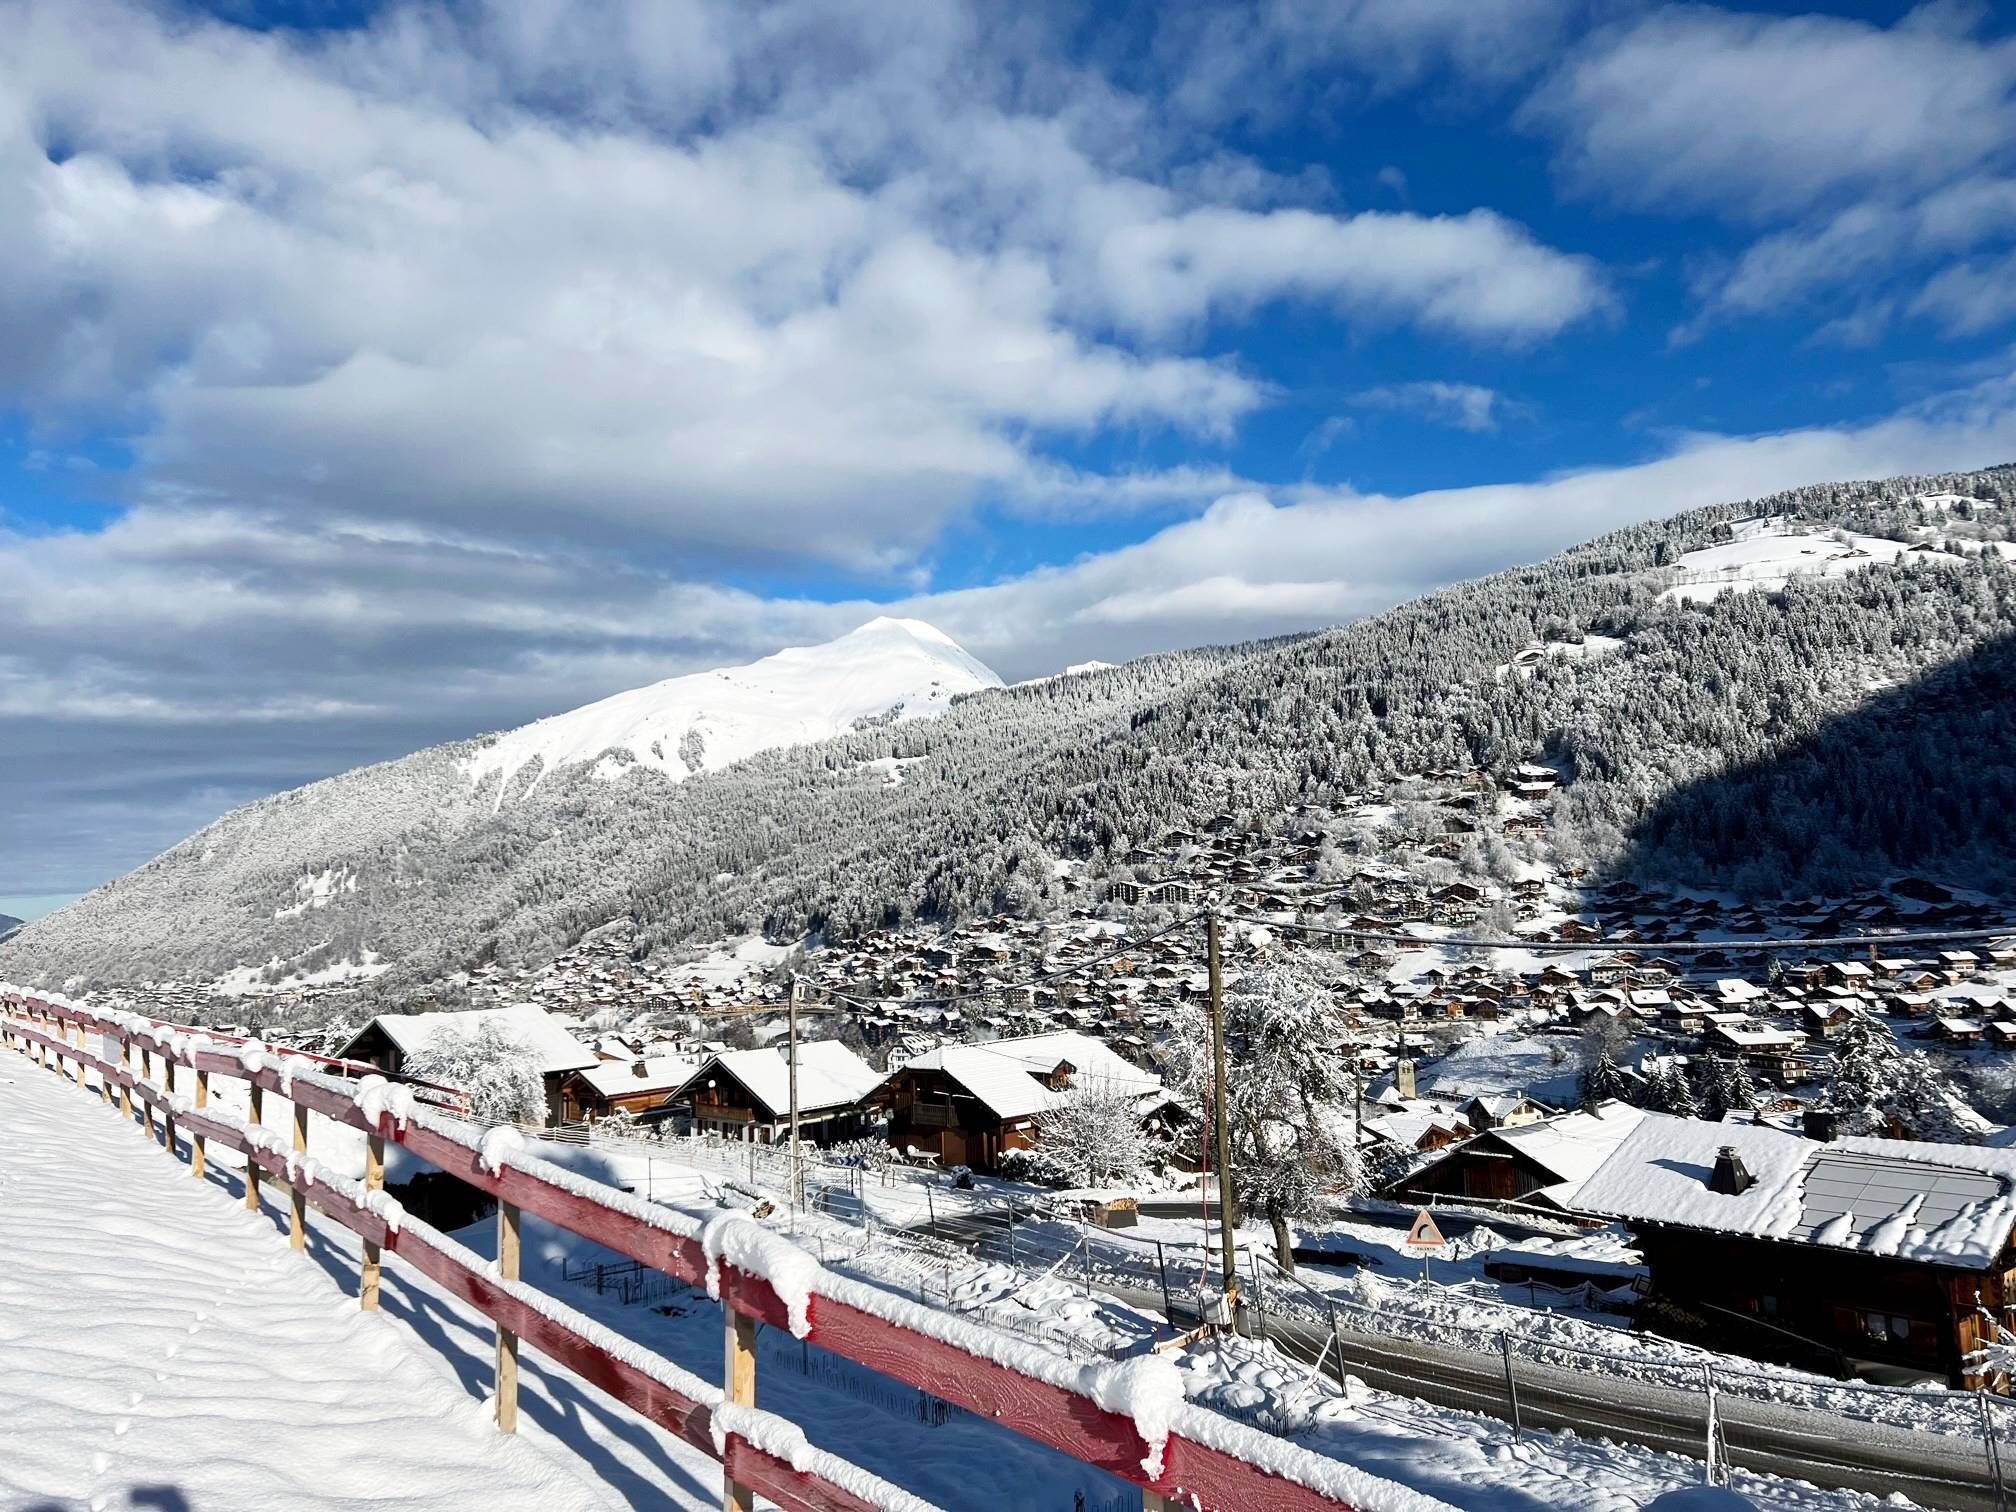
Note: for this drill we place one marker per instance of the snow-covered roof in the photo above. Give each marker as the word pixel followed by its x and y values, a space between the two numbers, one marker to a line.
pixel 1940 1203
pixel 1003 1074
pixel 1408 1129
pixel 829 1075
pixel 527 1023
pixel 621 1078
pixel 1572 1145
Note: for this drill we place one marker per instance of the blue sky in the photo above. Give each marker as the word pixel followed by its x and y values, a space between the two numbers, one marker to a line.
pixel 372 375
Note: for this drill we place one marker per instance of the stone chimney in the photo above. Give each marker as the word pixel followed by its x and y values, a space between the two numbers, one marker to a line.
pixel 640 1068
pixel 1730 1177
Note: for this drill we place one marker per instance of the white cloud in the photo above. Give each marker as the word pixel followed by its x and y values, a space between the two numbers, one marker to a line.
pixel 1753 115
pixel 768 283
pixel 1972 296
pixel 1876 152
pixel 1464 406
pixel 231 652
pixel 1475 274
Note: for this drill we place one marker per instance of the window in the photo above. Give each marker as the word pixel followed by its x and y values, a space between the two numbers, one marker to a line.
pixel 1886 1328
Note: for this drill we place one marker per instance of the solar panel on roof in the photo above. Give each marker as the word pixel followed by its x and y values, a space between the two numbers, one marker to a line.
pixel 1873 1188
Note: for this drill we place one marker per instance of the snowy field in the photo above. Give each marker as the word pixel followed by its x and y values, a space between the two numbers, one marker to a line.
pixel 1767 553
pixel 160 1347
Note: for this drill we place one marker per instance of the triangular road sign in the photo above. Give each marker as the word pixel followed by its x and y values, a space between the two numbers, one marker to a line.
pixel 1424 1235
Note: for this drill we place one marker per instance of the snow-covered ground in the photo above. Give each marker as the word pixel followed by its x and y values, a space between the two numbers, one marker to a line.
pixel 1769 552
pixel 1062 1296
pixel 709 719
pixel 250 981
pixel 160 1347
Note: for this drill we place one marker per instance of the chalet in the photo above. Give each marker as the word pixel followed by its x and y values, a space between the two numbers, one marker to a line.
pixel 1417 1130
pixel 746 1094
pixel 1873 1250
pixel 639 1087
pixel 1729 1034
pixel 390 1039
pixel 1543 1163
pixel 1959 964
pixel 1126 892
pixel 1502 1110
pixel 1611 969
pixel 971 1104
pixel 1960 1030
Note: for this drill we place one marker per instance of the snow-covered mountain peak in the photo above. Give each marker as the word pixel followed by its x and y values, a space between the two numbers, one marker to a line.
pixel 886 668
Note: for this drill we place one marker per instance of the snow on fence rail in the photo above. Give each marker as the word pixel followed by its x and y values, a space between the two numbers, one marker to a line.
pixel 1127 1417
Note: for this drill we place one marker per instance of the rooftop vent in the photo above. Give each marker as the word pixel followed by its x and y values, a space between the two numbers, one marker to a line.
pixel 640 1068
pixel 1730 1177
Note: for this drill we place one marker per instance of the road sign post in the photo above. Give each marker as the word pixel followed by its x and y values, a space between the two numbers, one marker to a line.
pixel 1424 1238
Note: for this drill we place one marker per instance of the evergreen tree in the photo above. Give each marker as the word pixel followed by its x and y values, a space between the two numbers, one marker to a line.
pixel 1288 1093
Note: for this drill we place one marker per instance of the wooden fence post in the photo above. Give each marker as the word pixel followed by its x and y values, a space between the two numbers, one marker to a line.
pixel 196 1142
pixel 257 1095
pixel 168 1115
pixel 297 1192
pixel 126 1065
pixel 104 1080
pixel 82 1051
pixel 738 1384
pixel 507 1341
pixel 147 1074
pixel 374 1181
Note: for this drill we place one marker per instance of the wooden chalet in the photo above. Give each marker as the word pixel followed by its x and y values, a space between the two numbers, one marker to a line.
pixel 640 1087
pixel 1542 1163
pixel 746 1094
pixel 390 1039
pixel 1875 1252
pixel 971 1104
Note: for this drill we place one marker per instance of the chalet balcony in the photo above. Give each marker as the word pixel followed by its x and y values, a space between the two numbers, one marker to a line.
pixel 934 1115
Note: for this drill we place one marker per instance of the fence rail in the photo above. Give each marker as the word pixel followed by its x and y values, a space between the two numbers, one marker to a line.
pixel 1116 1415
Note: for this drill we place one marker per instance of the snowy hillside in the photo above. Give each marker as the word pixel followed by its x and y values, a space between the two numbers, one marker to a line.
pixel 900 668
pixel 1767 551
pixel 1685 730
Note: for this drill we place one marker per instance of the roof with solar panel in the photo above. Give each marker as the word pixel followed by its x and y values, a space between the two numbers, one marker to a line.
pixel 1942 1204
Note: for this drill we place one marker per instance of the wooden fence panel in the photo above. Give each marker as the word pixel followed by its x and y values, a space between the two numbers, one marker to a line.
pixel 1067 1419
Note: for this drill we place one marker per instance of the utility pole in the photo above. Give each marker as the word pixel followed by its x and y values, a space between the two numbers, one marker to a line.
pixel 1220 1125
pixel 796 1194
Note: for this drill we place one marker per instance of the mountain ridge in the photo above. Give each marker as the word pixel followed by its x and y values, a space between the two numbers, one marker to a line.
pixel 888 667
pixel 400 861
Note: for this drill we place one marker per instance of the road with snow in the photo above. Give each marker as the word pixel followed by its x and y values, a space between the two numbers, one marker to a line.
pixel 162 1348
pixel 1799 1443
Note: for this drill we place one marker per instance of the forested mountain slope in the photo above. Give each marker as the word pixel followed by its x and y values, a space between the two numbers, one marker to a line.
pixel 1677 661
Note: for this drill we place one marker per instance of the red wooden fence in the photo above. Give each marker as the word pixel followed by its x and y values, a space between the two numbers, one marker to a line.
pixel 1119 1416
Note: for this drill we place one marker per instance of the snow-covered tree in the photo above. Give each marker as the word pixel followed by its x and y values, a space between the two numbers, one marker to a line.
pixel 1878 1083
pixel 1093 1136
pixel 1667 1090
pixel 1601 1078
pixel 1724 1087
pixel 498 1071
pixel 1288 1093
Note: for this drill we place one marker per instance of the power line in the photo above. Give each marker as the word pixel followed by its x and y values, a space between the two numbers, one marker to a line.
pixel 1619 942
